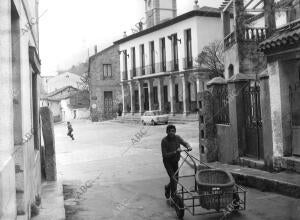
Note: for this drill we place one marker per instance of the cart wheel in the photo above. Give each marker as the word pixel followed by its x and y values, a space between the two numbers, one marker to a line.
pixel 179 207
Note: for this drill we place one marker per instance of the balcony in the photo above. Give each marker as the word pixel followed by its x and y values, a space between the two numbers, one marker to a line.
pixel 133 72
pixel 229 40
pixel 162 67
pixel 141 70
pixel 187 63
pixel 125 75
pixel 173 65
pixel 255 34
pixel 151 68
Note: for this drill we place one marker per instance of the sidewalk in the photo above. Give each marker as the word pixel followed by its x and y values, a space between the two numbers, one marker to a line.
pixel 285 183
pixel 52 206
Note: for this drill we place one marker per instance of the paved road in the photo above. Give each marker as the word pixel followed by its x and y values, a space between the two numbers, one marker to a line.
pixel 125 180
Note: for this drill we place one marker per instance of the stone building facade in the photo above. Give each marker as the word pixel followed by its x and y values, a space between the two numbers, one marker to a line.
pixel 105 90
pixel 280 85
pixel 20 169
pixel 158 65
pixel 261 101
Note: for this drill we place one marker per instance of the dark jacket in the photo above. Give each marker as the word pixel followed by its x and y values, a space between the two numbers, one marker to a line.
pixel 169 145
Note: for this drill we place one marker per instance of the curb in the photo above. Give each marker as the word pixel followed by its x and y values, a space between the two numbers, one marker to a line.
pixel 263 184
pixel 267 185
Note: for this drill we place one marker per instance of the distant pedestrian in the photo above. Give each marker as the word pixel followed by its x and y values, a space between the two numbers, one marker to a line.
pixel 70 130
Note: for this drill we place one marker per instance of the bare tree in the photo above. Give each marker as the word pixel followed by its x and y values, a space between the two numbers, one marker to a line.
pixel 85 81
pixel 212 58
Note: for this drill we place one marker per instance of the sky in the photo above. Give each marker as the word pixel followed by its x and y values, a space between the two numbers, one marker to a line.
pixel 71 28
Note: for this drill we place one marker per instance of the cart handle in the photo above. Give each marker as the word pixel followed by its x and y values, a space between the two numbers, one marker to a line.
pixel 193 159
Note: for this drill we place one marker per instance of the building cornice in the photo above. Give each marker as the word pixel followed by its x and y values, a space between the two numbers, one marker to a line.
pixel 168 23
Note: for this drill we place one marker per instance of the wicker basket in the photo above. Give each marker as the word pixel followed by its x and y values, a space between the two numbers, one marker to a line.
pixel 216 188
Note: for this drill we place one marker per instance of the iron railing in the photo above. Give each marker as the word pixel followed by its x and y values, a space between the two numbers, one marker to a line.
pixel 163 67
pixel 187 63
pixel 173 65
pixel 221 105
pixel 141 70
pixel 151 68
pixel 133 72
pixel 229 40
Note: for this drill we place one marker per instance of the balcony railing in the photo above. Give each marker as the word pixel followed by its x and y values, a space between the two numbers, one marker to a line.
pixel 125 75
pixel 173 65
pixel 229 40
pixel 141 71
pixel 151 68
pixel 187 63
pixel 255 34
pixel 162 67
pixel 133 72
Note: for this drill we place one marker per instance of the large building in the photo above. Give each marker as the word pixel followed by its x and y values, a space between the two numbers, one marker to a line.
pixel 158 67
pixel 104 68
pixel 20 163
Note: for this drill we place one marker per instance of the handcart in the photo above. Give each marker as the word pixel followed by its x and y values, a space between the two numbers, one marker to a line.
pixel 206 191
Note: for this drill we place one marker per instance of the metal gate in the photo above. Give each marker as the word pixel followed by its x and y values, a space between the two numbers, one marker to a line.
pixel 108 104
pixel 295 116
pixel 253 123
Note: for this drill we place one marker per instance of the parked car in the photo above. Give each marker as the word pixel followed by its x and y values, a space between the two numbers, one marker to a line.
pixel 154 117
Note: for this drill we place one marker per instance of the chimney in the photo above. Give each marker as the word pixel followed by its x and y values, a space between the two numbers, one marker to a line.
pixel 95 48
pixel 196 6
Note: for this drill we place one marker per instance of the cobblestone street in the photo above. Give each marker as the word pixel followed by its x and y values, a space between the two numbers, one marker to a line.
pixel 125 181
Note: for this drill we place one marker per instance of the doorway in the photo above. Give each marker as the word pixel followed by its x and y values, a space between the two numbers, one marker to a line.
pixel 253 122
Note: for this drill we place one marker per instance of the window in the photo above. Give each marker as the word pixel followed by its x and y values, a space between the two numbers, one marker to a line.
pixel 125 65
pixel 142 60
pixel 107 71
pixel 163 55
pixel 188 49
pixel 174 52
pixel 152 57
pixel 133 66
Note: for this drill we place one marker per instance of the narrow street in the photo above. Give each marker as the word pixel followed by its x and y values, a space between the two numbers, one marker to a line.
pixel 126 181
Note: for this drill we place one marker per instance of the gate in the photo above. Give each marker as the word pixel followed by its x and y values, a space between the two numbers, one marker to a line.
pixel 253 123
pixel 108 105
pixel 295 116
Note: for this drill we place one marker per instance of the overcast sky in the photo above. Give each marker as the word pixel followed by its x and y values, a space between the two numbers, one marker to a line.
pixel 69 27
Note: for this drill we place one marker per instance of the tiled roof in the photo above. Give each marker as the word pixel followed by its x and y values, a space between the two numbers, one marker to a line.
pixel 56 96
pixel 285 36
pixel 60 90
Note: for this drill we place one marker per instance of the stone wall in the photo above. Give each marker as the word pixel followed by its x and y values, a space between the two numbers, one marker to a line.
pixel 99 84
pixel 251 61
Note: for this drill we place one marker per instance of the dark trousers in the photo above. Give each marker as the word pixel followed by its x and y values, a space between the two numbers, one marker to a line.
pixel 70 134
pixel 171 165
